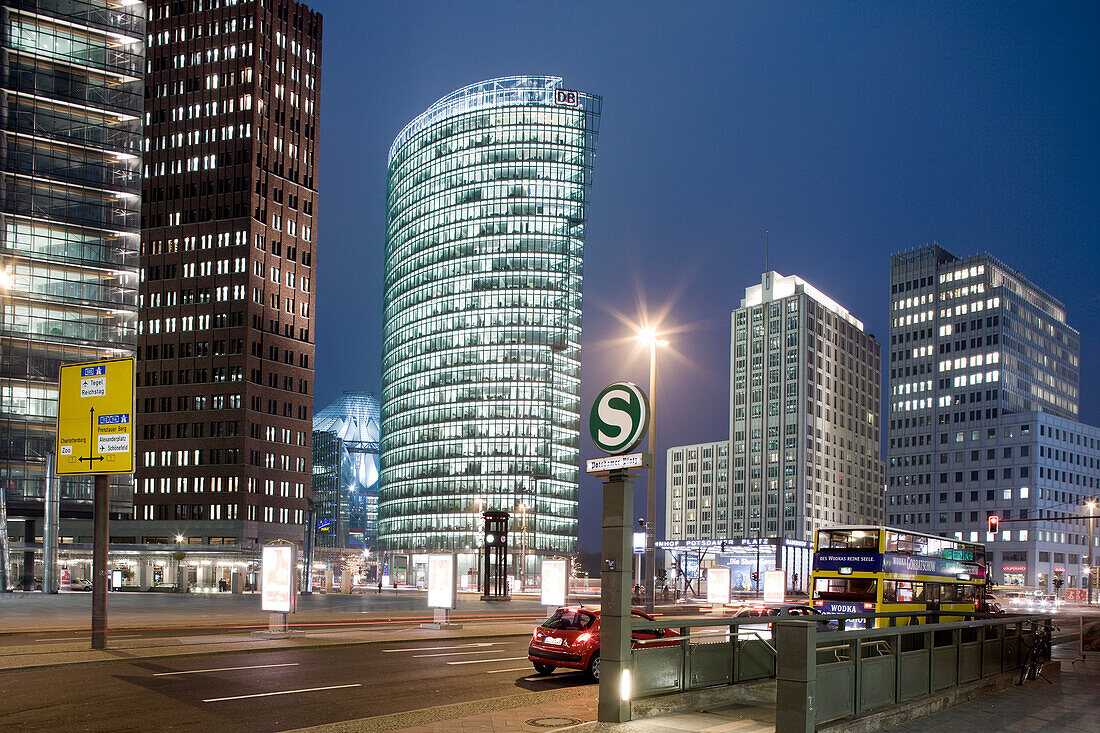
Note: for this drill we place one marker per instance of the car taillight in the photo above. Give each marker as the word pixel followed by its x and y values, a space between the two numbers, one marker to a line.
pixel 819 603
pixel 868 605
pixel 535 635
pixel 582 638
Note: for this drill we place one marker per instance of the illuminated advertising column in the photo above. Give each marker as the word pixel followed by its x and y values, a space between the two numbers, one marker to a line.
pixel 775 586
pixel 278 593
pixel 718 586
pixel 555 584
pixel 442 589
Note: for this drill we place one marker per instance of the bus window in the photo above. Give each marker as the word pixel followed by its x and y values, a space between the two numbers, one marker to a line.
pixel 899 542
pixel 848 539
pixel 959 593
pixel 845 589
pixel 902 591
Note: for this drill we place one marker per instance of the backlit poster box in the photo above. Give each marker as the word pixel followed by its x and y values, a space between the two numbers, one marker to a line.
pixel 718 586
pixel 442 580
pixel 775 582
pixel 555 579
pixel 278 579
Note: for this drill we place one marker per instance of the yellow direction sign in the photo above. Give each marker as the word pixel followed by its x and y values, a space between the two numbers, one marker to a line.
pixel 95 418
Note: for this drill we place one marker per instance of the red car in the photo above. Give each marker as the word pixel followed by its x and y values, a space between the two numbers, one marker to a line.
pixel 571 638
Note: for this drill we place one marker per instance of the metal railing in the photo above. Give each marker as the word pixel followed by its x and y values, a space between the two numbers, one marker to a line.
pixel 822 677
pixel 706 652
pixel 907 655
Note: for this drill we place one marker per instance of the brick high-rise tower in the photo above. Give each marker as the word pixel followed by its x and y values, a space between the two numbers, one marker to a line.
pixel 225 373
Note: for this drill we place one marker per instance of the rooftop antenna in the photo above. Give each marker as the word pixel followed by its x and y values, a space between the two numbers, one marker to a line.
pixel 765 250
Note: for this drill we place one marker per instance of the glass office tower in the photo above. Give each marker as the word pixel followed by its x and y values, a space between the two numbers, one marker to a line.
pixel 486 210
pixel 71 85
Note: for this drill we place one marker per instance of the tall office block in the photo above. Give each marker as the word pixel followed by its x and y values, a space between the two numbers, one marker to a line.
pixel 804 416
pixel 984 374
pixel 345 471
pixel 71 88
pixel 225 378
pixel 486 209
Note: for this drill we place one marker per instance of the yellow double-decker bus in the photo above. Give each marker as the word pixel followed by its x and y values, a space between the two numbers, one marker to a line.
pixel 887 570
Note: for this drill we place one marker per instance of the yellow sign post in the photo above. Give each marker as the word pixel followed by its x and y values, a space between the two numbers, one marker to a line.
pixel 95 418
pixel 95 436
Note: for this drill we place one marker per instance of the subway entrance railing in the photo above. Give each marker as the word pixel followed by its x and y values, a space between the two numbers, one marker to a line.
pixel 824 675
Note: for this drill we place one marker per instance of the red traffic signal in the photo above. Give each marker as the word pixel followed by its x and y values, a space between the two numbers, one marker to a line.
pixel 993 521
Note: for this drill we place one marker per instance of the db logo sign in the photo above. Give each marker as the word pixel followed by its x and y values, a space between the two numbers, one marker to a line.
pixel 567 98
pixel 619 418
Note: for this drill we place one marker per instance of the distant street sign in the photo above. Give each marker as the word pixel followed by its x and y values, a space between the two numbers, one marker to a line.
pixel 619 418
pixel 95 418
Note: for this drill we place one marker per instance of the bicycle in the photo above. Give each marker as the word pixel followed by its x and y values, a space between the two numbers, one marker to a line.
pixel 1038 652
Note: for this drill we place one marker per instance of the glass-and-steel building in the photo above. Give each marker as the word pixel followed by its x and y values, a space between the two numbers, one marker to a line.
pixel 72 89
pixel 344 484
pixel 983 417
pixel 487 204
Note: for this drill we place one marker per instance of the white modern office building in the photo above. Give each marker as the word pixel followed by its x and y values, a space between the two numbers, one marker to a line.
pixel 983 393
pixel 804 413
pixel 486 213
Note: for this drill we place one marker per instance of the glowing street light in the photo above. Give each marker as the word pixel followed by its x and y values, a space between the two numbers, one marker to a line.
pixel 1091 504
pixel 522 508
pixel 649 336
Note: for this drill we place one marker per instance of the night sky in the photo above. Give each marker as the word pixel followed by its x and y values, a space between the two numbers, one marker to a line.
pixel 849 131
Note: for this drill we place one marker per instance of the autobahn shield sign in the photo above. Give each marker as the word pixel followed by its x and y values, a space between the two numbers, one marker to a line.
pixel 619 418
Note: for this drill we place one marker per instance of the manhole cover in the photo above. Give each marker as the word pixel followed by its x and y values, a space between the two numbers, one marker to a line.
pixel 551 722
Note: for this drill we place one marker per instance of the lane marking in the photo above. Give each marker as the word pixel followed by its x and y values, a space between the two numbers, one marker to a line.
pixel 282 692
pixel 224 669
pixel 513 669
pixel 484 661
pixel 456 654
pixel 438 648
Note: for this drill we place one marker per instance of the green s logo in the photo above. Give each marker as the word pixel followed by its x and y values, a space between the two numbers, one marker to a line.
pixel 619 418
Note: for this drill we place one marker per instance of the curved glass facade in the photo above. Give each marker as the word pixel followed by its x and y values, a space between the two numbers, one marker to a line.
pixel 486 209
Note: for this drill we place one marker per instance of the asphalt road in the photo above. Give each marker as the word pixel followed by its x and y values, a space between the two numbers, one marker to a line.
pixel 270 691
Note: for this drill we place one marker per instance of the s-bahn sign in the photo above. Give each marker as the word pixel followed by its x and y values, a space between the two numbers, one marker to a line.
pixel 619 418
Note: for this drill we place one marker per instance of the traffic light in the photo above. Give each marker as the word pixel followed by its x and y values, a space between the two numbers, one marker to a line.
pixel 993 520
pixel 755 577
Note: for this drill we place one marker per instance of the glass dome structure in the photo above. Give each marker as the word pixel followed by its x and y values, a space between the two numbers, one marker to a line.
pixel 487 204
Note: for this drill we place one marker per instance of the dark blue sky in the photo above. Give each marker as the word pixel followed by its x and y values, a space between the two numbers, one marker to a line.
pixel 849 131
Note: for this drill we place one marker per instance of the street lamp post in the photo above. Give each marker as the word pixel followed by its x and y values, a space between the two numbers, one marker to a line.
pixel 479 536
pixel 523 547
pixel 649 336
pixel 5 579
pixel 1091 505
